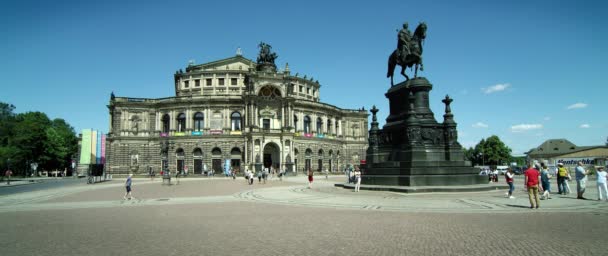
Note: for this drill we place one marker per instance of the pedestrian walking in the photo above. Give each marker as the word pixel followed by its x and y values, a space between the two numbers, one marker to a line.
pixel 602 189
pixel 8 175
pixel 509 177
pixel 531 181
pixel 581 180
pixel 357 178
pixel 310 178
pixel 260 176
pixel 562 179
pixel 128 187
pixel 326 174
pixel 545 176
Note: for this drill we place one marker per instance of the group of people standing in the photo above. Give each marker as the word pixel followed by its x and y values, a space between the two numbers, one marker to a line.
pixel 263 175
pixel 537 180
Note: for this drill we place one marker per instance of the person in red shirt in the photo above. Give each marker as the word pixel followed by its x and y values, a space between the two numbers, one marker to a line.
pixel 531 182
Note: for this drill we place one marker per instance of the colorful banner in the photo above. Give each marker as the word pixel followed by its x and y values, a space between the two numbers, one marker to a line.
pixel 227 167
pixel 179 134
pixel 98 149
pixel 197 133
pixel 216 132
pixel 103 149
pixel 93 147
pixel 164 134
pixel 85 147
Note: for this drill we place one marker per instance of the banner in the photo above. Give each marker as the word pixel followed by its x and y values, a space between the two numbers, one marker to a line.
pixel 227 167
pixel 103 149
pixel 98 149
pixel 93 147
pixel 85 147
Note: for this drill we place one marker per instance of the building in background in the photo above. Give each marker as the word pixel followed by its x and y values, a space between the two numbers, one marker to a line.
pixel 239 112
pixel 561 150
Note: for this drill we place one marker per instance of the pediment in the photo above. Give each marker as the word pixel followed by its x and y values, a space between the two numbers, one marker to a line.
pixel 232 63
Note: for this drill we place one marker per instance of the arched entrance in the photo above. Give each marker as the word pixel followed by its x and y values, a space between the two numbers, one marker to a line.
pixel 272 156
pixel 180 156
pixel 197 156
pixel 308 160
pixel 216 160
pixel 235 158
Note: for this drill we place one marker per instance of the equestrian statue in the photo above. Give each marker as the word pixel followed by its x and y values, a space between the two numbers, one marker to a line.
pixel 408 52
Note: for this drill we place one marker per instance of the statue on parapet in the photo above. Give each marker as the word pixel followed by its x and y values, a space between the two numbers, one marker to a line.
pixel 265 55
pixel 408 52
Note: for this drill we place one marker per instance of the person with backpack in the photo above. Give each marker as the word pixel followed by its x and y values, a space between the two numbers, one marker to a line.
pixel 562 177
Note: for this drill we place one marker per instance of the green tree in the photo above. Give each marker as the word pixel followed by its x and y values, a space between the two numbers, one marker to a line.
pixel 60 145
pixel 7 121
pixel 29 136
pixel 490 151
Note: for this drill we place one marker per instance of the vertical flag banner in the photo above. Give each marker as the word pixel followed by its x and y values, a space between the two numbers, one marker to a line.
pixel 93 146
pixel 85 147
pixel 98 149
pixel 103 149
pixel 227 167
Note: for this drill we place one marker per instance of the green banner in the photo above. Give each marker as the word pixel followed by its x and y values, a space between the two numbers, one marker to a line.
pixel 85 147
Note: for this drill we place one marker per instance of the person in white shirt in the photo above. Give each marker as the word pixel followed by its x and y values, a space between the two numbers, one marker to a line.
pixel 357 179
pixel 601 184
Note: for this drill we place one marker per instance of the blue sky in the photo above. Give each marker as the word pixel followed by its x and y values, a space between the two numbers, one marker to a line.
pixel 526 71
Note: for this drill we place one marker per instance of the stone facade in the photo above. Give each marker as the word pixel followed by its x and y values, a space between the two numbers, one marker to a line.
pixel 231 110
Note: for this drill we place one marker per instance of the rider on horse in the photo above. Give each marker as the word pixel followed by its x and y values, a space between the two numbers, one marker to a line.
pixel 403 41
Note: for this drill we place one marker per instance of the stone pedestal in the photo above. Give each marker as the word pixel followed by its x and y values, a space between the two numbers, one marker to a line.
pixel 413 149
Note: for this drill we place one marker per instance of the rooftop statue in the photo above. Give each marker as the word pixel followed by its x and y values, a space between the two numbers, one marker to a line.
pixel 265 55
pixel 408 52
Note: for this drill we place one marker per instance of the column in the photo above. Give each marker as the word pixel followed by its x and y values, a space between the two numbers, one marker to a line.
pixel 283 119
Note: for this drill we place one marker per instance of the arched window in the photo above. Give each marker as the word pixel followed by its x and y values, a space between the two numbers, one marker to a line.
pixel 306 124
pixel 166 123
pixel 181 122
pixel 337 128
pixel 235 121
pixel 319 125
pixel 295 122
pixel 199 121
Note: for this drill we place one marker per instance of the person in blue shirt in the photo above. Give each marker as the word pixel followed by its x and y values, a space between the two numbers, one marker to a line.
pixel 128 187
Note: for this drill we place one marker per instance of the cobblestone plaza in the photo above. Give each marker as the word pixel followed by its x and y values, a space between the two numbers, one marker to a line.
pixel 218 216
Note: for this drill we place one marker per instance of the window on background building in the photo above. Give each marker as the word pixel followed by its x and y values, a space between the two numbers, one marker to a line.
pixel 307 90
pixel 319 125
pixel 301 88
pixel 233 81
pixel 166 123
pixel 328 126
pixel 314 91
pixel 186 84
pixel 235 121
pixel 266 123
pixel 337 128
pixel 295 122
pixel 209 81
pixel 306 124
pixel 197 82
pixel 220 81
pixel 199 121
pixel 181 122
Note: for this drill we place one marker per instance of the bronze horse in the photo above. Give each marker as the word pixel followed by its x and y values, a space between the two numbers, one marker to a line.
pixel 412 59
